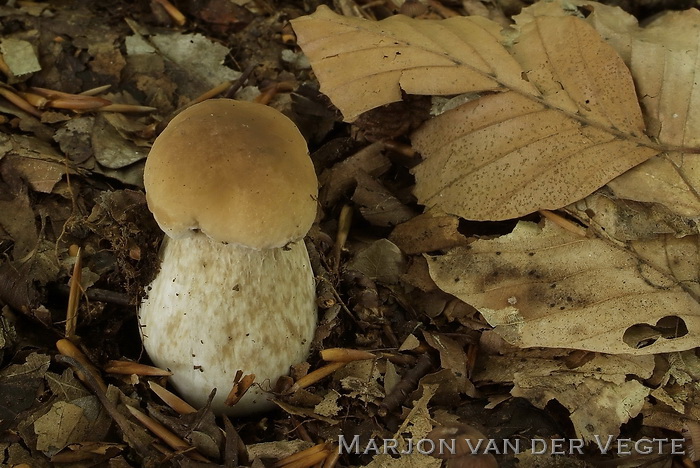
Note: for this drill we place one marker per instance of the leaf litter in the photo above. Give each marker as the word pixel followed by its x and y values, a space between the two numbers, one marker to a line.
pixel 557 124
pixel 537 125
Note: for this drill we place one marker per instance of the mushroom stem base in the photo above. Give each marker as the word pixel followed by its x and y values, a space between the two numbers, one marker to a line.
pixel 218 308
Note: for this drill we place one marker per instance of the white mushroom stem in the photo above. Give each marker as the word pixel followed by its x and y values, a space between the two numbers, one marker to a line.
pixel 216 308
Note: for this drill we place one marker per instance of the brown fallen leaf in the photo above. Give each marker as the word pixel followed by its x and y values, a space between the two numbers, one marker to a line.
pixel 627 220
pixel 661 63
pixel 545 287
pixel 377 204
pixel 380 261
pixel 428 232
pixel 365 64
pixel 611 397
pixel 566 122
pixel 664 69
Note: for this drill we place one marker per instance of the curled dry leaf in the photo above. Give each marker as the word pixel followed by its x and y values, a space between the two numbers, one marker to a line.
pixel 546 287
pixel 565 121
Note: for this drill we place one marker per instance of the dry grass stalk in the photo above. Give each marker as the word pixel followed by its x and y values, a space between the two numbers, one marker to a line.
pixel 305 458
pixel 173 401
pixel 67 348
pixel 345 355
pixel 313 377
pixel 129 368
pixel 74 296
pixel 167 436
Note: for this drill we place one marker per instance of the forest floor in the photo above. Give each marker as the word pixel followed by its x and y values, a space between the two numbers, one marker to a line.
pixel 71 180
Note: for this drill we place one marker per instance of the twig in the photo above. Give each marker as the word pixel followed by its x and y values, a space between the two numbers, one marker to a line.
pixel 94 386
pixel 324 291
pixel 398 395
pixel 240 81
pixel 74 296
pixel 166 435
pixel 100 295
pixel 563 223
pixel 69 349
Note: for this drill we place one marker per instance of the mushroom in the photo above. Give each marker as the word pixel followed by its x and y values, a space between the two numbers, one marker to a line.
pixel 232 186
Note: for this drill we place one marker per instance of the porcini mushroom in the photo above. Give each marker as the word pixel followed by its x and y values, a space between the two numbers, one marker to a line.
pixel 232 185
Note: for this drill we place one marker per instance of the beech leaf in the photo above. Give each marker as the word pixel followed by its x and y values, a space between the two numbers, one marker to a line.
pixel 546 287
pixel 364 64
pixel 664 64
pixel 564 119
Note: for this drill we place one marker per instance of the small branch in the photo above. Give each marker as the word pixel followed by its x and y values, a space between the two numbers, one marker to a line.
pixel 409 382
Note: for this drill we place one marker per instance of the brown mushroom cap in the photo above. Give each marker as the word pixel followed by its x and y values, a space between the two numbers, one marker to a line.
pixel 237 171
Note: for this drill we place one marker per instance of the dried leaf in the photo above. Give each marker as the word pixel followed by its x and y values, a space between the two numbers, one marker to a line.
pixel 19 56
pixel 377 204
pixel 111 149
pixel 663 66
pixel 34 161
pixel 361 380
pixel 66 386
pixel 196 61
pixel 411 342
pixel 329 405
pixel 277 449
pixel 505 155
pixel 363 64
pixel 17 221
pixel 19 385
pixel 74 138
pixel 64 424
pixel 452 354
pixel 568 123
pixel 626 220
pixel 381 261
pixel 428 232
pixel 550 288
pixel 416 426
pixel 611 399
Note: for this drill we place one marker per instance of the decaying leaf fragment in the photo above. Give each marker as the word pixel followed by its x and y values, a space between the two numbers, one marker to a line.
pixel 564 121
pixel 545 287
pixel 417 425
pixel 612 398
